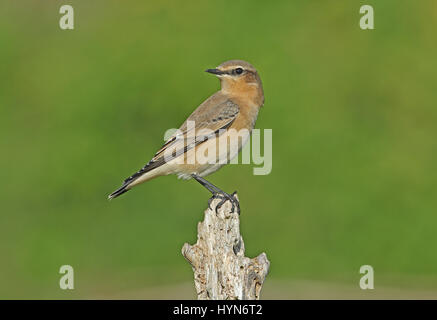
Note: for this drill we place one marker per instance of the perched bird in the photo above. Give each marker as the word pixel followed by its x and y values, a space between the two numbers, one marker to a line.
pixel 227 115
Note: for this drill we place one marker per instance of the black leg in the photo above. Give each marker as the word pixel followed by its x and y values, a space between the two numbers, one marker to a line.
pixel 218 193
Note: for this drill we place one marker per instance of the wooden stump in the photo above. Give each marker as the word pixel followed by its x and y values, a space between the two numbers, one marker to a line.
pixel 221 271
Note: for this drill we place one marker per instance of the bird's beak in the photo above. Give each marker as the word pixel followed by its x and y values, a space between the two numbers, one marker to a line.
pixel 215 71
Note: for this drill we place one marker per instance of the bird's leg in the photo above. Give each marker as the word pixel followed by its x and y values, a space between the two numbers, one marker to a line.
pixel 217 192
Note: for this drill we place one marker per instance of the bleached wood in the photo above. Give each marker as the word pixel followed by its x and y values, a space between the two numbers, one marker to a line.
pixel 221 271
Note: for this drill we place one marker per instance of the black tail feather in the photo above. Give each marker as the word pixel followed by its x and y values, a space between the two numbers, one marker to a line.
pixel 118 192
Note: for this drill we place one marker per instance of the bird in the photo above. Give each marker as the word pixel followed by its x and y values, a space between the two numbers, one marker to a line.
pixel 227 115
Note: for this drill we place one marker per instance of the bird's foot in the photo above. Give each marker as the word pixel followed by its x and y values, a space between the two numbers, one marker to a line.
pixel 225 197
pixel 210 200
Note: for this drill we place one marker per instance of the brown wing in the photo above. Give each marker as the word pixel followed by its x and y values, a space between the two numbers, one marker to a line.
pixel 214 114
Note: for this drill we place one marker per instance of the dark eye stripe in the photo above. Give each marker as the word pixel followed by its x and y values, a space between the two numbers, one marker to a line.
pixel 236 71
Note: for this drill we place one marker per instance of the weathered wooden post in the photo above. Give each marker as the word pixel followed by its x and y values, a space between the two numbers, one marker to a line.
pixel 221 271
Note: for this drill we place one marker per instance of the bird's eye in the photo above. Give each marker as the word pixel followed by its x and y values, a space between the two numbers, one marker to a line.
pixel 239 71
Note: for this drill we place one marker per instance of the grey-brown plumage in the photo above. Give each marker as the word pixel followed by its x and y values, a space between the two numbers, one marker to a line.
pixel 235 107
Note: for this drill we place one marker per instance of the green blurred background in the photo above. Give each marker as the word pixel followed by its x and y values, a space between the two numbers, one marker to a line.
pixel 354 122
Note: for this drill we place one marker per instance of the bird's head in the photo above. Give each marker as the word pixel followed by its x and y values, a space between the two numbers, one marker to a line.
pixel 238 77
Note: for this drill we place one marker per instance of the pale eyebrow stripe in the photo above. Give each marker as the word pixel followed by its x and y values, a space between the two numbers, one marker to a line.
pixel 230 69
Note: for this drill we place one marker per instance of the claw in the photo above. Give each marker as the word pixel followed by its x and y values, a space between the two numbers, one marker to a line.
pixel 217 193
pixel 236 201
pixel 225 197
pixel 219 205
pixel 214 196
pixel 210 200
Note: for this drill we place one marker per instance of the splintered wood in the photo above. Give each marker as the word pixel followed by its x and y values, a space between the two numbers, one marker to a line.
pixel 221 271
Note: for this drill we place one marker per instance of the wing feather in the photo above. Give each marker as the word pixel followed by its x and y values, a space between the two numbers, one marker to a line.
pixel 208 120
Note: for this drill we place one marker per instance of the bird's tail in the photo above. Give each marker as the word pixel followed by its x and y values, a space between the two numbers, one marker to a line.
pixel 118 192
pixel 146 173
